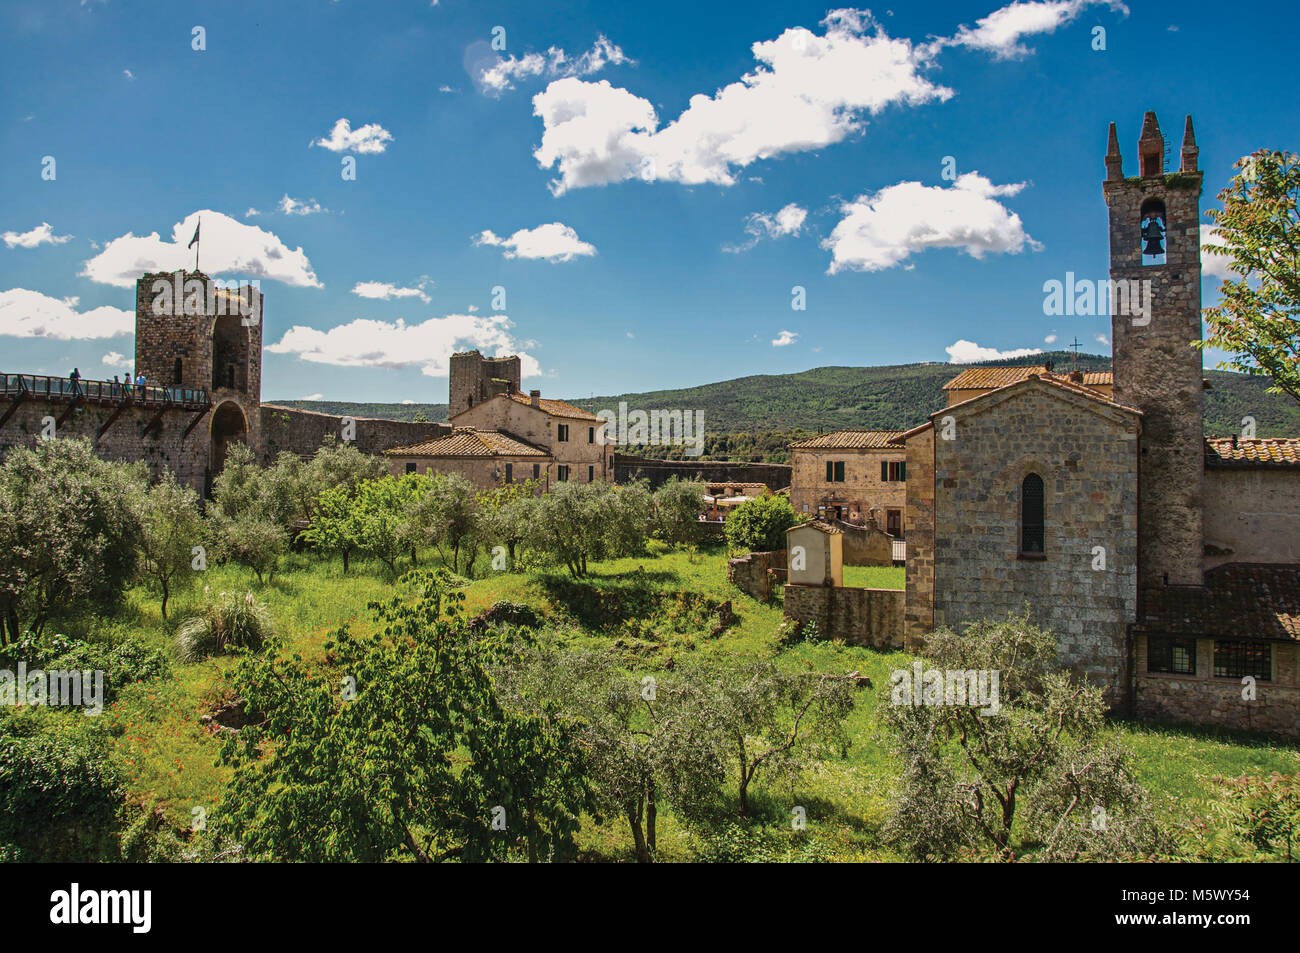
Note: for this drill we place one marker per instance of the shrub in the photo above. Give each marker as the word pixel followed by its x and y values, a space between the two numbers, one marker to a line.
pixel 60 795
pixel 228 621
pixel 759 525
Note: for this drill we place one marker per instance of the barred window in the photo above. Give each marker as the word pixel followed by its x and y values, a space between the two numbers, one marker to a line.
pixel 1235 659
pixel 1174 656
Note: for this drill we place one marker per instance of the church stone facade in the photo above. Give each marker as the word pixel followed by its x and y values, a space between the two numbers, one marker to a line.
pixel 1084 501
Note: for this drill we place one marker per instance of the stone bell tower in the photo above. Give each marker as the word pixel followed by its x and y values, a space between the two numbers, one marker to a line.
pixel 1155 271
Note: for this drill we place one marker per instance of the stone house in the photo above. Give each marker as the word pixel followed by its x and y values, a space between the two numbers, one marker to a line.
pixel 525 436
pixel 852 475
pixel 486 458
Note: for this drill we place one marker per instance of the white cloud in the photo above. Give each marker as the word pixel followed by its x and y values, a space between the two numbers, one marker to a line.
pixel 291 206
pixel 760 225
pixel 227 247
pixel 785 338
pixel 428 345
pixel 312 397
pixel 968 352
pixel 113 360
pixel 807 91
pixel 42 234
pixel 30 314
pixel 383 291
pixel 1102 339
pixel 1050 339
pixel 128 74
pixel 369 138
pixel 552 242
pixel 1212 265
pixel 1000 32
pixel 496 79
pixel 881 230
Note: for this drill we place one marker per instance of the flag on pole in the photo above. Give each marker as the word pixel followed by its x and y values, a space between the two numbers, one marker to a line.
pixel 195 240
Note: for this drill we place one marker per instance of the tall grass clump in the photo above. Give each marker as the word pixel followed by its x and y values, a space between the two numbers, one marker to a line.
pixel 230 620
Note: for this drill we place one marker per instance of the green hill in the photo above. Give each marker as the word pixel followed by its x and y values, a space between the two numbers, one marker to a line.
pixel 753 418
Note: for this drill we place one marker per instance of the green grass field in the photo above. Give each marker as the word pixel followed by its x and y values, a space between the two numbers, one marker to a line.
pixel 169 757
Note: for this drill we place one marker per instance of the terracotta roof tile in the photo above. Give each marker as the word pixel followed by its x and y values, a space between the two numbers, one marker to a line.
pixel 851 440
pixel 467 442
pixel 1260 452
pixel 1238 600
pixel 556 408
pixel 988 378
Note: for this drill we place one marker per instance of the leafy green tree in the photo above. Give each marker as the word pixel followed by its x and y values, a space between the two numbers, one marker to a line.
pixel 577 522
pixel 642 740
pixel 1258 230
pixel 256 544
pixel 448 516
pixel 675 511
pixel 765 719
pixel 170 527
pixel 759 525
pixel 69 533
pixel 399 748
pixel 387 529
pixel 1035 774
pixel 505 515
pixel 336 522
pixel 339 464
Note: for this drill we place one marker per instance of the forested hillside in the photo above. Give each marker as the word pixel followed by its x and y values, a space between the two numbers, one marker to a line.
pixel 755 418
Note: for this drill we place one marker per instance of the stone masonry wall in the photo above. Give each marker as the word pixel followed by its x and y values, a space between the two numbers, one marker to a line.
pixel 1086 454
pixel 775 476
pixel 1203 699
pixel 750 573
pixel 865 545
pixel 303 431
pixel 870 617
pixel 918 523
pixel 125 441
pixel 1252 515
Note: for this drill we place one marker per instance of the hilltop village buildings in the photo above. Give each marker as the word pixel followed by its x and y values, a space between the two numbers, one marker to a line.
pixel 1167 564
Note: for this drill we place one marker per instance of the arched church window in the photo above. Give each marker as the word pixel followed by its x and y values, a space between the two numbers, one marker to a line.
pixel 1031 514
pixel 1154 232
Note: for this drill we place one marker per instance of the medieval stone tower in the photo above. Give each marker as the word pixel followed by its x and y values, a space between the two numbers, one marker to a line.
pixel 190 333
pixel 1155 248
pixel 475 378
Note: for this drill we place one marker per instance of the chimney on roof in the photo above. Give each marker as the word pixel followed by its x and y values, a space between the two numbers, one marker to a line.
pixel 1050 365
pixel 1076 375
pixel 535 398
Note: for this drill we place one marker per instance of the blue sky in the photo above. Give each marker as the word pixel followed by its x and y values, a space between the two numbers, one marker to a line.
pixel 647 182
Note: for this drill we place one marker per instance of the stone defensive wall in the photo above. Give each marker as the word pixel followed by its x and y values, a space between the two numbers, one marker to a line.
pixel 303 431
pixel 775 476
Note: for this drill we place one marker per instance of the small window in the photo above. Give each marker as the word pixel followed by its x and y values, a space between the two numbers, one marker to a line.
pixel 562 474
pixel 591 435
pixel 1172 656
pixel 510 473
pixel 563 433
pixel 1031 514
pixel 410 468
pixel 176 372
pixel 834 471
pixel 537 470
pixel 893 471
pixel 591 474
pixel 1234 659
